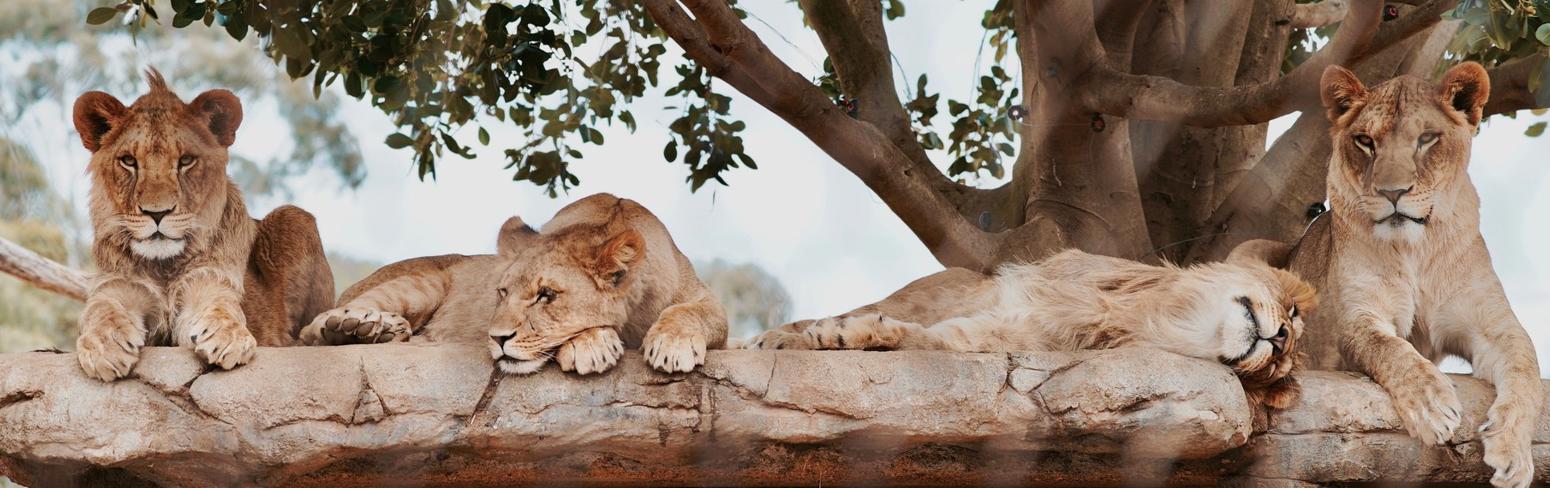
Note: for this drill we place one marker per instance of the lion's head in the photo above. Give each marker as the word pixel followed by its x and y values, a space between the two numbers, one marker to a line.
pixel 1247 315
pixel 559 285
pixel 1401 148
pixel 158 166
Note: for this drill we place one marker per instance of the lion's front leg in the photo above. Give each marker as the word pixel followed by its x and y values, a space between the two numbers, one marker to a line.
pixel 1502 353
pixel 676 343
pixel 112 329
pixel 1423 397
pixel 869 331
pixel 209 317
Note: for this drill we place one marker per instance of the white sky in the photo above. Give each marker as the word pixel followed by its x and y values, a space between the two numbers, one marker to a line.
pixel 801 216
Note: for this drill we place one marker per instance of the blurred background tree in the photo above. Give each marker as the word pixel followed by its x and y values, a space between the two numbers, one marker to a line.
pixel 754 299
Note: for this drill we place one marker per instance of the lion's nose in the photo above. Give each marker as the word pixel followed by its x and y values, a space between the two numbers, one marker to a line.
pixel 1394 194
pixel 155 215
pixel 1278 343
pixel 500 340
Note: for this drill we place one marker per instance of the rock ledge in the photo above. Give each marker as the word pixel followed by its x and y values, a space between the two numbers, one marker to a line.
pixel 437 415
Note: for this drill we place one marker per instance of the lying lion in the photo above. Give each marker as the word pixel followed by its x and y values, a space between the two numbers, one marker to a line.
pixel 603 275
pixel 1243 313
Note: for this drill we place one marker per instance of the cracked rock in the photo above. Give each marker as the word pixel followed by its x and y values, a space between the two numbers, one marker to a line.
pixel 440 415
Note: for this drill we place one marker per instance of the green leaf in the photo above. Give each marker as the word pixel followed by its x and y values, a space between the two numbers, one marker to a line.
pixel 101 15
pixel 671 151
pixel 1536 129
pixel 484 136
pixel 1543 34
pixel 399 141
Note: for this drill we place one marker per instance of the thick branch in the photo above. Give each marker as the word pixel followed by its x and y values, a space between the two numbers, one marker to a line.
pixel 1509 85
pixel 1307 15
pixel 852 34
pixel 1153 97
pixel 717 37
pixel 40 271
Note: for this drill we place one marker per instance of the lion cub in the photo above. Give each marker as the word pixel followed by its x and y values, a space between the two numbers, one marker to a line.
pixel 179 260
pixel 1242 313
pixel 603 275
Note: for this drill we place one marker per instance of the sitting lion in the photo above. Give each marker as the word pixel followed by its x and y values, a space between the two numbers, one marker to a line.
pixel 1406 277
pixel 1243 313
pixel 179 261
pixel 603 275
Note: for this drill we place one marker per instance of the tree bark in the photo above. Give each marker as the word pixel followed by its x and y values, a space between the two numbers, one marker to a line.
pixel 1145 120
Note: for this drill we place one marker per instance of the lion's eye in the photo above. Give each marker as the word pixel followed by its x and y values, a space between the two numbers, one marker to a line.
pixel 1363 141
pixel 128 162
pixel 546 295
pixel 186 162
pixel 1427 138
pixel 501 292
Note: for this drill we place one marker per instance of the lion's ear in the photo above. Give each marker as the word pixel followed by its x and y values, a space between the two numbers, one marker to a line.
pixel 221 111
pixel 96 113
pixel 616 256
pixel 1341 91
pixel 514 235
pixel 1466 88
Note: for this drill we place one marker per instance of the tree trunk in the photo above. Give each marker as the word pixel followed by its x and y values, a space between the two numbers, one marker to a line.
pixel 1146 124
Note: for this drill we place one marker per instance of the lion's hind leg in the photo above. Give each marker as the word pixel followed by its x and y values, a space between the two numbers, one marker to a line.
pixel 288 279
pixel 387 306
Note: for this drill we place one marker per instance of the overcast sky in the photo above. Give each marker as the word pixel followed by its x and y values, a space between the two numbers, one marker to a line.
pixel 800 215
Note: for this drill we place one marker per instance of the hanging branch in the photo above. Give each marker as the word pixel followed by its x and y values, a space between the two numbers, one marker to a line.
pixel 40 271
pixel 716 38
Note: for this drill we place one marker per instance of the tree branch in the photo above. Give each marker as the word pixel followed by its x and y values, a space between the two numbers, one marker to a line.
pixel 40 271
pixel 1153 97
pixel 852 33
pixel 717 37
pixel 1509 85
pixel 1308 15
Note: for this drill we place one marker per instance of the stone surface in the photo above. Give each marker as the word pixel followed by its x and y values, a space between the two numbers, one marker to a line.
pixel 438 415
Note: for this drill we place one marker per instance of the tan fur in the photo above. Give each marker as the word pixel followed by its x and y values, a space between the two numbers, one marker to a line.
pixel 617 280
pixel 1074 301
pixel 1401 295
pixel 206 275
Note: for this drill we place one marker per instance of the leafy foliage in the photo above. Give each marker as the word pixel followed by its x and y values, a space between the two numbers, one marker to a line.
pixel 1497 31
pixel 439 66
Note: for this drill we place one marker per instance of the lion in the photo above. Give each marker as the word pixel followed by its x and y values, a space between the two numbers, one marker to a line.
pixel 179 260
pixel 602 275
pixel 1406 277
pixel 1243 313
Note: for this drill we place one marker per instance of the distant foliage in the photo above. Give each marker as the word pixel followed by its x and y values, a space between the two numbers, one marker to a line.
pixel 35 217
pixel 53 57
pixel 754 299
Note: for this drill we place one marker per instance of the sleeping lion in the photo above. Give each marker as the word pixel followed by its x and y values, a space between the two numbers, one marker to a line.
pixel 1242 313
pixel 603 275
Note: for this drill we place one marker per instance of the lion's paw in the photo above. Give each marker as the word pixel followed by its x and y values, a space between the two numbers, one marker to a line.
pixel 355 326
pixel 1507 437
pixel 221 339
pixel 674 349
pixel 109 345
pixel 787 337
pixel 861 331
pixel 1428 405
pixel 593 351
